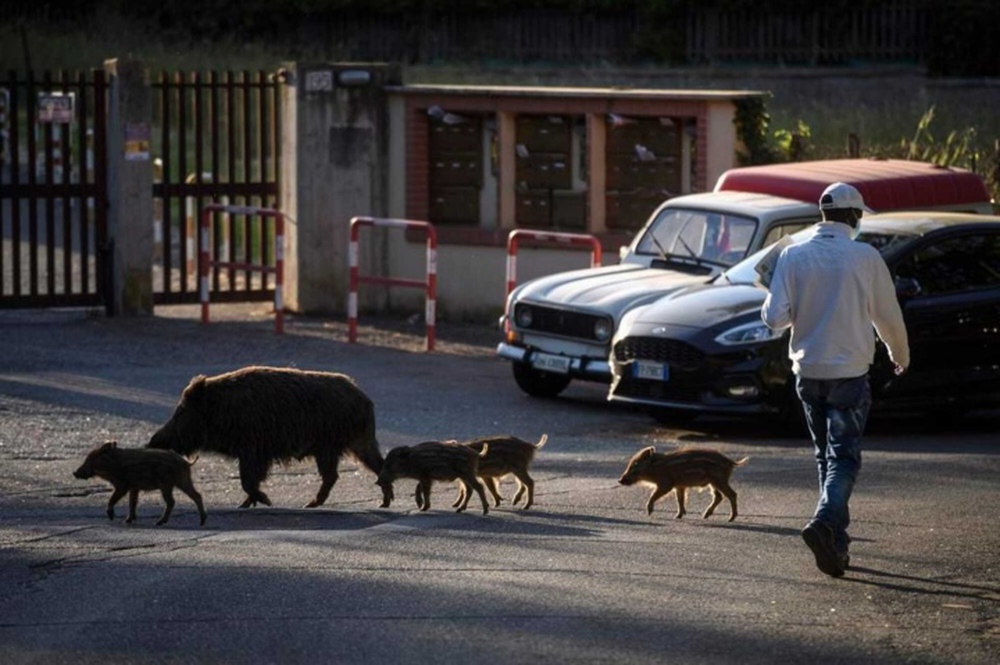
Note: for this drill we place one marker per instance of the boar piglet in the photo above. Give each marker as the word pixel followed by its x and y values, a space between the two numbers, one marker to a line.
pixel 681 469
pixel 434 461
pixel 131 471
pixel 262 415
pixel 505 455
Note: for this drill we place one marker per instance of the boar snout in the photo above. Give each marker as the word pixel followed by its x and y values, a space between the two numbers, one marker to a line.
pixel 628 478
pixel 83 473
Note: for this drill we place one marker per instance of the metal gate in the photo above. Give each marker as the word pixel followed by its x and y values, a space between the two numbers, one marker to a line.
pixel 216 140
pixel 53 205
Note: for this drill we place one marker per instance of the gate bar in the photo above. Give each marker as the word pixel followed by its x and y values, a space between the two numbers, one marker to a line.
pixel 205 262
pixel 570 239
pixel 430 284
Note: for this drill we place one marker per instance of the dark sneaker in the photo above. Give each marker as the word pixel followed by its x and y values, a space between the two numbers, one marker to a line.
pixel 845 560
pixel 819 538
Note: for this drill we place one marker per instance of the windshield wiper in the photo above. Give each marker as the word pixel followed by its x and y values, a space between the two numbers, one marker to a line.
pixel 663 252
pixel 682 241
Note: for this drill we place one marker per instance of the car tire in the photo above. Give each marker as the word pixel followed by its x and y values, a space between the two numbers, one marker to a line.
pixel 537 383
pixel 790 421
pixel 672 417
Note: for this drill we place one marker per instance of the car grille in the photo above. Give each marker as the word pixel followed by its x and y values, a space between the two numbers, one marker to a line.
pixel 669 351
pixel 562 322
pixel 657 390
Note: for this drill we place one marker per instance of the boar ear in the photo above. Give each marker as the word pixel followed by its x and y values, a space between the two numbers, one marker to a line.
pixel 110 444
pixel 195 388
pixel 646 452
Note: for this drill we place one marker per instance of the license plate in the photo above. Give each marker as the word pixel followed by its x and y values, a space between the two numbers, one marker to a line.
pixel 549 363
pixel 643 369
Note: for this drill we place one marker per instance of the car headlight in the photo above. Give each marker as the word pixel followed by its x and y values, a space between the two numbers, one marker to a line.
pixel 523 316
pixel 754 332
pixel 603 330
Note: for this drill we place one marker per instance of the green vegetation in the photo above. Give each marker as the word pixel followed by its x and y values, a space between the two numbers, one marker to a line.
pixel 954 124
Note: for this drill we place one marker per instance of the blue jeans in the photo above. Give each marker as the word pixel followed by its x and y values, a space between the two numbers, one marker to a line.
pixel 836 412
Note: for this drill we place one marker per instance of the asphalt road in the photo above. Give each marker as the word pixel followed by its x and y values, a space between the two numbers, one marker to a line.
pixel 585 576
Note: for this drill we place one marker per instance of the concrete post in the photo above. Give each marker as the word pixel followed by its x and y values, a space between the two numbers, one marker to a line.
pixel 334 166
pixel 130 188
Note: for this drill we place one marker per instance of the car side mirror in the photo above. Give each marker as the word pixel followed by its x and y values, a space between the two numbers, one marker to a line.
pixel 622 252
pixel 907 287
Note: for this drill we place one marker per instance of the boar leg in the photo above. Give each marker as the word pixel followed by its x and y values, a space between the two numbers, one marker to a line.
pixel 424 493
pixel 492 484
pixel 731 495
pixel 681 499
pixel 476 485
pixel 188 488
pixel 658 493
pixel 327 466
pixel 387 494
pixel 133 501
pixel 116 496
pixel 525 483
pixel 461 495
pixel 250 479
pixel 168 499
pixel 716 500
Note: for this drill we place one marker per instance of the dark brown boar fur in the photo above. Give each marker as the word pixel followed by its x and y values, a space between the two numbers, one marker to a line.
pixel 681 469
pixel 506 455
pixel 262 415
pixel 435 460
pixel 131 471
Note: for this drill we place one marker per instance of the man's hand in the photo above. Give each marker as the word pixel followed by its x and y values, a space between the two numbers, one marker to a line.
pixel 899 370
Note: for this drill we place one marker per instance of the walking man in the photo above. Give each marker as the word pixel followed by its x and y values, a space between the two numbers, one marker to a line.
pixel 835 294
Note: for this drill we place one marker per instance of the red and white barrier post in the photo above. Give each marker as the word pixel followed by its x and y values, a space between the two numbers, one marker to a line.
pixel 205 262
pixel 429 284
pixel 572 240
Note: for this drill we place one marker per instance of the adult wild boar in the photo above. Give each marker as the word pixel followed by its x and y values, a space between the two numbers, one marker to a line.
pixel 262 415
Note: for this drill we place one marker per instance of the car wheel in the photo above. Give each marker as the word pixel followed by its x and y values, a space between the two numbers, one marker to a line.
pixel 672 417
pixel 537 383
pixel 791 419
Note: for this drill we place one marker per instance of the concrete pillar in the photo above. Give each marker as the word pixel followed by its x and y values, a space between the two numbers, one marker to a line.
pixel 130 188
pixel 507 178
pixel 597 140
pixel 334 166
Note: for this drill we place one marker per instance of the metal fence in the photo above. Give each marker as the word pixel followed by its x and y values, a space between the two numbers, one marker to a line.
pixel 53 212
pixel 216 138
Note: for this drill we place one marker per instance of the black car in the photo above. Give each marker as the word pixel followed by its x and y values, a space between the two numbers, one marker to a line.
pixel 704 349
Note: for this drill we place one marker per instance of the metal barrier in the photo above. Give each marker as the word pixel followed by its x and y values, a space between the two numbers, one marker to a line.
pixel 430 284
pixel 569 239
pixel 205 262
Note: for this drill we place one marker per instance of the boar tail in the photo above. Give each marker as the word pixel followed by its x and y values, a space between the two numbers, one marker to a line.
pixel 191 460
pixel 541 441
pixel 486 447
pixel 742 461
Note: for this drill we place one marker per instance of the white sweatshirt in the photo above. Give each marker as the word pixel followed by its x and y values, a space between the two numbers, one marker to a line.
pixel 831 290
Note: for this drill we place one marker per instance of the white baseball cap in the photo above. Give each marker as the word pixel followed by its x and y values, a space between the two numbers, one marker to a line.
pixel 840 195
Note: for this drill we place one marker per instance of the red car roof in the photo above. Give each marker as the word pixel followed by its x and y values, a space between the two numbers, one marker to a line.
pixel 886 184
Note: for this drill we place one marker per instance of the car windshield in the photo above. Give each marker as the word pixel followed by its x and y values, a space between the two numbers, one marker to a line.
pixel 709 236
pixel 744 273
